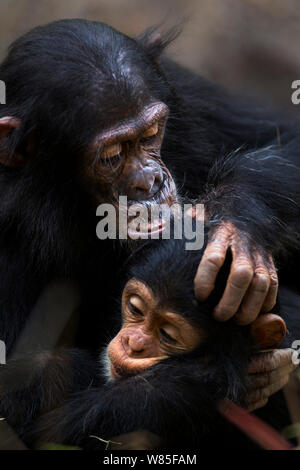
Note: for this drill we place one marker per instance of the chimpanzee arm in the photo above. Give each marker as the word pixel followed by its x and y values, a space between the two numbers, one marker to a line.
pixel 251 196
pixel 176 401
pixel 259 193
pixel 40 382
pixel 253 203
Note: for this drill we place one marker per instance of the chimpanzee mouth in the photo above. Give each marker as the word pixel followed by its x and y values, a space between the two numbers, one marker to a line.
pixel 152 216
pixel 119 372
pixel 147 218
pixel 146 228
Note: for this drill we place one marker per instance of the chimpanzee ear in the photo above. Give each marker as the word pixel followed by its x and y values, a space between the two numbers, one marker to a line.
pixel 8 125
pixel 268 330
pixel 155 41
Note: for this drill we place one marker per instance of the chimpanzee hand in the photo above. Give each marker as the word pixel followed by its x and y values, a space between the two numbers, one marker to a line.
pixel 252 283
pixel 268 373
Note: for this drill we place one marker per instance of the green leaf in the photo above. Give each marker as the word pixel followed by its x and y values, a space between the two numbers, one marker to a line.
pixel 292 431
pixel 54 446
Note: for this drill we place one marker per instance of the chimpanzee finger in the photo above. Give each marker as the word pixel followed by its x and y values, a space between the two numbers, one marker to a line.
pixel 261 394
pixel 256 405
pixel 239 279
pixel 267 361
pixel 271 297
pixel 264 379
pixel 211 262
pixel 255 297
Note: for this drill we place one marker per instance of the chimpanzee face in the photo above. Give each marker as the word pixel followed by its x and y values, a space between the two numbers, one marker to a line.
pixel 150 332
pixel 101 123
pixel 125 160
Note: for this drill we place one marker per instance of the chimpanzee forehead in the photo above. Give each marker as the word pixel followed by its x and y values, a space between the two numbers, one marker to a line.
pixel 125 78
pixel 122 92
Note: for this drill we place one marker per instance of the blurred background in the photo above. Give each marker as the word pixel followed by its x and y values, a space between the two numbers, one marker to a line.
pixel 252 46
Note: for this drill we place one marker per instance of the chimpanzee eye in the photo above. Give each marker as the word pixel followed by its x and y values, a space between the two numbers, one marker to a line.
pixel 111 151
pixel 166 336
pixel 134 309
pixel 150 133
pixel 111 161
pixel 111 154
pixel 146 140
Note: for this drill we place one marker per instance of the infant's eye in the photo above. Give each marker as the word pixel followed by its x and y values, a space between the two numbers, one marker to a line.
pixel 135 305
pixel 111 151
pixel 166 336
pixel 134 309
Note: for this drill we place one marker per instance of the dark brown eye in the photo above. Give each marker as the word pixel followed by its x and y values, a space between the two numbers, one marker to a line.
pixel 166 336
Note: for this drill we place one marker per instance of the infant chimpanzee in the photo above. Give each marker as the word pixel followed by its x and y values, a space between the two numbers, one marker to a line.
pixel 170 363
pixel 161 317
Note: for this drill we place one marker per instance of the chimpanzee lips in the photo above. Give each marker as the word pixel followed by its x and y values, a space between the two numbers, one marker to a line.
pixel 153 225
pixel 147 228
pixel 119 372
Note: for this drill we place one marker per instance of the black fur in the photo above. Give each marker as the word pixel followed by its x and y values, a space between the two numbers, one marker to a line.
pixel 63 80
pixel 176 399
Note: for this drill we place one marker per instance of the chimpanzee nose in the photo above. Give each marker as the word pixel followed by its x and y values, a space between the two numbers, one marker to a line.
pixel 138 345
pixel 144 184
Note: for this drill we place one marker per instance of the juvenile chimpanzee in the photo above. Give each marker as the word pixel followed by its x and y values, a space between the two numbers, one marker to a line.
pixel 92 114
pixel 89 115
pixel 171 362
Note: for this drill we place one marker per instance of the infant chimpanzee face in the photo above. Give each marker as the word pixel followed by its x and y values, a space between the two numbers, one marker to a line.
pixel 150 332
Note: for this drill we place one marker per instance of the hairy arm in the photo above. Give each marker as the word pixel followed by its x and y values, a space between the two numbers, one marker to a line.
pixel 40 382
pixel 252 202
pixel 251 195
pixel 174 400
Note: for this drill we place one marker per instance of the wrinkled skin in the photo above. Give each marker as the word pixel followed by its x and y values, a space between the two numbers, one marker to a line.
pixel 268 373
pixel 252 287
pixel 252 283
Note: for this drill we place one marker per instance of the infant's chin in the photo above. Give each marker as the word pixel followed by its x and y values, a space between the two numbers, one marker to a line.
pixel 110 372
pixel 118 372
pixel 105 365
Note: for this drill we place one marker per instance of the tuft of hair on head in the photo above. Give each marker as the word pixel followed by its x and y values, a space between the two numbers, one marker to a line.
pixel 155 39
